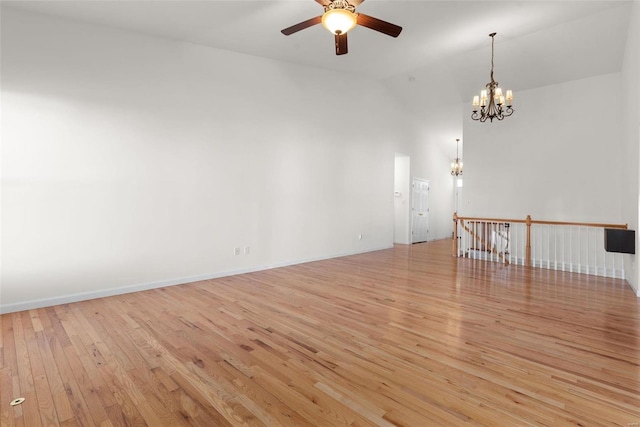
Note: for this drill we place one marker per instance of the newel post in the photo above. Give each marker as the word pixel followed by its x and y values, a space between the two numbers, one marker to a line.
pixel 528 255
pixel 454 244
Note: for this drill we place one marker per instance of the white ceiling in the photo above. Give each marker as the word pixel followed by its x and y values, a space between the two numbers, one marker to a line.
pixel 538 42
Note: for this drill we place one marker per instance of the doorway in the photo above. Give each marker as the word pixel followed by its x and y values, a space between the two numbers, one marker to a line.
pixel 402 200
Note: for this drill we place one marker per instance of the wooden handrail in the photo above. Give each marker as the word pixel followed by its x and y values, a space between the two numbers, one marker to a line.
pixel 469 218
pixel 534 221
pixel 528 221
pixel 582 224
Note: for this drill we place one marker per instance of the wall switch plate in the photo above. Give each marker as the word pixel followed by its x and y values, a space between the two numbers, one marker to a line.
pixel 236 251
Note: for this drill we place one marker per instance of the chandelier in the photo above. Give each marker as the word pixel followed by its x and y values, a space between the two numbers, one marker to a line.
pixel 456 165
pixel 491 101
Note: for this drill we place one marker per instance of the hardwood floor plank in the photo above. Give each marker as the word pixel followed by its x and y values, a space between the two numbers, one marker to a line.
pixel 54 381
pixel 407 336
pixel 2 346
pixel 71 395
pixel 6 392
pixel 27 389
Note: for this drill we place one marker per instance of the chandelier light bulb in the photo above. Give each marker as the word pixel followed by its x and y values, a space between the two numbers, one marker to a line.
pixel 509 96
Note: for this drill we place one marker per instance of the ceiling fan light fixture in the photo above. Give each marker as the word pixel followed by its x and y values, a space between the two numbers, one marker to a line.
pixel 339 17
pixel 339 21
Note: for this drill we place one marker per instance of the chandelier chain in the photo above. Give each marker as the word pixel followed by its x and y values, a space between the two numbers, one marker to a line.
pixel 492 41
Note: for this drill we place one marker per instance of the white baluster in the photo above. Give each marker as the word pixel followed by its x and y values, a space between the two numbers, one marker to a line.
pixel 548 246
pixel 580 232
pixel 563 250
pixel 554 244
pixel 463 239
pixel 570 250
pixel 606 273
pixel 600 268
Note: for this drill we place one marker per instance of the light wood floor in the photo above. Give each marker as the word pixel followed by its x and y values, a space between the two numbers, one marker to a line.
pixel 407 336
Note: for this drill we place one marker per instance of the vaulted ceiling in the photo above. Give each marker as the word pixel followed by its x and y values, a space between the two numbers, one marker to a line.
pixel 444 44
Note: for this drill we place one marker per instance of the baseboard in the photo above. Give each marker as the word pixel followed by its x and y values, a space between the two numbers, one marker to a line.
pixel 85 296
pixel 633 285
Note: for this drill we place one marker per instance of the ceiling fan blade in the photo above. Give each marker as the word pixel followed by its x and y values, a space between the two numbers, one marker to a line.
pixel 324 2
pixel 302 25
pixel 341 44
pixel 379 25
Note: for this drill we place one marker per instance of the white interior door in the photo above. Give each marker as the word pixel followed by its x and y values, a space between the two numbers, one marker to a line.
pixel 419 210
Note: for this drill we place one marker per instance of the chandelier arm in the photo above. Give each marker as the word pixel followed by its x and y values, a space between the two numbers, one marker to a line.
pixel 492 110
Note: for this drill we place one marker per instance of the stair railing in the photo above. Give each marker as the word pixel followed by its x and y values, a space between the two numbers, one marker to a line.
pixel 557 245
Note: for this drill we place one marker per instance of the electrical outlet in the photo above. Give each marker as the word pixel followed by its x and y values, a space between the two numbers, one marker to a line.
pixel 247 250
pixel 359 236
pixel 236 251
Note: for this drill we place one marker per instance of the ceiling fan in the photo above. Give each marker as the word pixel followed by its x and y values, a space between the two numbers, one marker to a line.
pixel 339 17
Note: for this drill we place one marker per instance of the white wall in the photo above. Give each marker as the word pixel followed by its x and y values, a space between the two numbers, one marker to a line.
pixel 631 140
pixel 130 162
pixel 556 158
pixel 402 200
